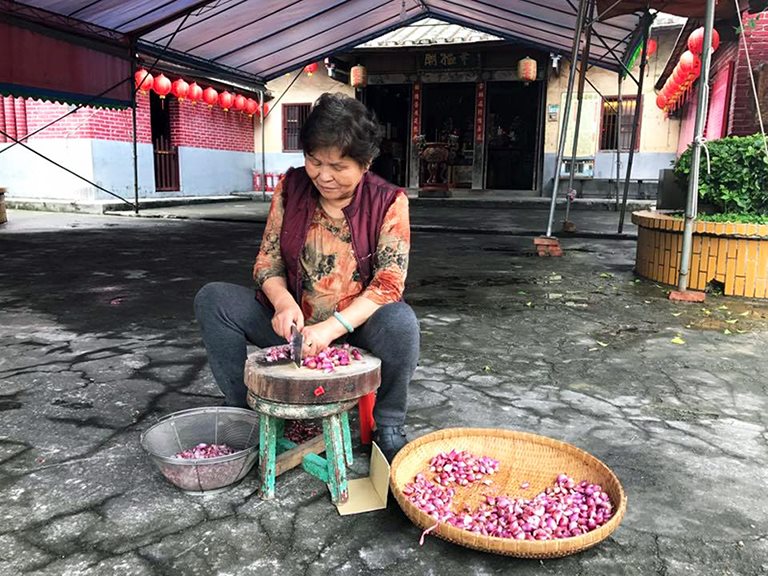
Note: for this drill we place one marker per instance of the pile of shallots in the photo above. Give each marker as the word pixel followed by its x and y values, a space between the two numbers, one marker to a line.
pixel 563 510
pixel 331 357
pixel 204 450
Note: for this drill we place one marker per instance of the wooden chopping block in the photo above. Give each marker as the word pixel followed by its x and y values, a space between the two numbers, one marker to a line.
pixel 286 383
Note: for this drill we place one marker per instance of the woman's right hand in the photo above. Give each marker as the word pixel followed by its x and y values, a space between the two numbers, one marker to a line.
pixel 287 314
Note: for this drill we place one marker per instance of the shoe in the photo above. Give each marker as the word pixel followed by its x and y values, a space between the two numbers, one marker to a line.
pixel 390 439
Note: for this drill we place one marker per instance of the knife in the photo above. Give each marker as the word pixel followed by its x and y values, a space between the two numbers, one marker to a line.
pixel 297 343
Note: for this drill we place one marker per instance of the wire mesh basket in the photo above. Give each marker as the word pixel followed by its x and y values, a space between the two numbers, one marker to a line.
pixel 236 427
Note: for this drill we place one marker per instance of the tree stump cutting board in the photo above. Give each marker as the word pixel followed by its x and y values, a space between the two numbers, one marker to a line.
pixel 286 383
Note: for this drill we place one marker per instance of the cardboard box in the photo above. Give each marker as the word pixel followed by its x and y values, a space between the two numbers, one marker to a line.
pixel 368 494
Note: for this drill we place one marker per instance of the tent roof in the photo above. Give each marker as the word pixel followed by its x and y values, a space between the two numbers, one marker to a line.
pixel 263 39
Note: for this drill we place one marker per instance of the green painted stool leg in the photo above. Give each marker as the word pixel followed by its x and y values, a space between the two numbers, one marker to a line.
pixel 347 438
pixel 279 428
pixel 268 426
pixel 334 456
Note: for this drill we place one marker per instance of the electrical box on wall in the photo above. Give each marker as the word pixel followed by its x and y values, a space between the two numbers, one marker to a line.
pixel 582 168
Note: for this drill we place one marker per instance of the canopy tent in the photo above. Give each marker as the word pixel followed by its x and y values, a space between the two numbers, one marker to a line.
pixel 250 42
pixel 687 8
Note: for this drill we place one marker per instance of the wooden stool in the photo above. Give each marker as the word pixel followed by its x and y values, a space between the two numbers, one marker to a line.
pixel 282 392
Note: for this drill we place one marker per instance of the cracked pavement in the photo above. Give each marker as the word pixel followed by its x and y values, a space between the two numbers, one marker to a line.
pixel 99 341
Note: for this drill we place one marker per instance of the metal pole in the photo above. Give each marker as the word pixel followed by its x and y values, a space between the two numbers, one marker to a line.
pixel 635 121
pixel 566 112
pixel 263 153
pixel 135 104
pixel 619 106
pixel 691 207
pixel 580 101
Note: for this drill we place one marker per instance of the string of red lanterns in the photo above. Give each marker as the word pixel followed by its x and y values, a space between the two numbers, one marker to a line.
pixel 686 72
pixel 182 90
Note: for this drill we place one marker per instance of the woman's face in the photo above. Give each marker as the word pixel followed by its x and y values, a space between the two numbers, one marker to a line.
pixel 335 176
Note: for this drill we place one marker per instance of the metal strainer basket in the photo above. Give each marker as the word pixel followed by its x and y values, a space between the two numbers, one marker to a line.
pixel 236 427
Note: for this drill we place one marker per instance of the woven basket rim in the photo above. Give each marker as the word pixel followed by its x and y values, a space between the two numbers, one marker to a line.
pixel 507 546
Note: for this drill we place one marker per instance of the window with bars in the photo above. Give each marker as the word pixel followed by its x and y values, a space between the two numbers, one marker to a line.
pixel 294 116
pixel 609 120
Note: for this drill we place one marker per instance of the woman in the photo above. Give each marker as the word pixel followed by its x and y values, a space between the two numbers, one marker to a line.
pixel 333 261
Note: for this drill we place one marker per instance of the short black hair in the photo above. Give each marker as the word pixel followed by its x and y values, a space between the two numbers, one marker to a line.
pixel 340 121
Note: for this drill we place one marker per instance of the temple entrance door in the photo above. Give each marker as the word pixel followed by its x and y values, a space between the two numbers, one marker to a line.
pixel 512 124
pixel 448 109
pixel 392 104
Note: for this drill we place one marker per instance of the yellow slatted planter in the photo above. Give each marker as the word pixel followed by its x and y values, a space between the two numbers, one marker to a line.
pixel 734 254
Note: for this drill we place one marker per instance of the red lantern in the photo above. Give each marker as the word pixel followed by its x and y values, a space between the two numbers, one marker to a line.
pixel 225 100
pixel 195 93
pixel 239 103
pixel 180 88
pixel 689 61
pixel 310 69
pixel 265 110
pixel 696 41
pixel 651 47
pixel 358 76
pixel 144 80
pixel 661 101
pixel 679 76
pixel 251 107
pixel 527 69
pixel 162 86
pixel 210 96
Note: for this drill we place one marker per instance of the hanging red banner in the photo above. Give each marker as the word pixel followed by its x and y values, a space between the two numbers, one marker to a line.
pixel 416 111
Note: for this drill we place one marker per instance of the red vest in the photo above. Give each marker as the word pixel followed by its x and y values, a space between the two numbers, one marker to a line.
pixel 364 215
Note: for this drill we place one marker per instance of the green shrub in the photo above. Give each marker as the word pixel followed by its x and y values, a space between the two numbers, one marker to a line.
pixel 738 179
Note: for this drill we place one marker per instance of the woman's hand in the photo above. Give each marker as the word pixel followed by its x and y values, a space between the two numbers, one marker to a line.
pixel 287 313
pixel 319 336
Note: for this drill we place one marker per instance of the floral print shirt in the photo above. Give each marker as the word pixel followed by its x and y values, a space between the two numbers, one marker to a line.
pixel 330 277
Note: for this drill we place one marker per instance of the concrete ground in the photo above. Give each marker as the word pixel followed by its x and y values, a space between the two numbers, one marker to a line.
pixel 98 341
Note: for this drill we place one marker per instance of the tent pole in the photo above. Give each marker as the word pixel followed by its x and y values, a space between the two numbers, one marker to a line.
pixel 691 207
pixel 619 106
pixel 580 100
pixel 566 112
pixel 635 120
pixel 134 106
pixel 263 153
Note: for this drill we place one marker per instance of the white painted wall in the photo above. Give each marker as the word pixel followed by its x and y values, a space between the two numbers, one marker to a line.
pixel 113 169
pixel 205 172
pixel 304 91
pixel 108 164
pixel 27 175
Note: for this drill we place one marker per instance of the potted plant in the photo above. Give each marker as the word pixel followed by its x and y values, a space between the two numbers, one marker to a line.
pixel 730 236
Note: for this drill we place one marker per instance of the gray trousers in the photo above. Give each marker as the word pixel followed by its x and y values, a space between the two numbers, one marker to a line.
pixel 230 317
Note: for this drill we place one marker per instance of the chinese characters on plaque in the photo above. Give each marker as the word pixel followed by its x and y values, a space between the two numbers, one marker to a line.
pixel 416 111
pixel 449 60
pixel 480 112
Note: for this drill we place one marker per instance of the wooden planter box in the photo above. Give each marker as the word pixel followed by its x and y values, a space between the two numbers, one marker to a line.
pixel 3 214
pixel 734 254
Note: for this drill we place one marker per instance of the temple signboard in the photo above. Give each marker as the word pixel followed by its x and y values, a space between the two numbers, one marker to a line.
pixel 445 60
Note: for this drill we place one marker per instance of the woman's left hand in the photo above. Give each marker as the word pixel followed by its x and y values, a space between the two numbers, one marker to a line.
pixel 318 337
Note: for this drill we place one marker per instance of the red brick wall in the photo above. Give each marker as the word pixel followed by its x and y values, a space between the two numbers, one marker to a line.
pixel 98 123
pixel 191 125
pixel 199 126
pixel 743 117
